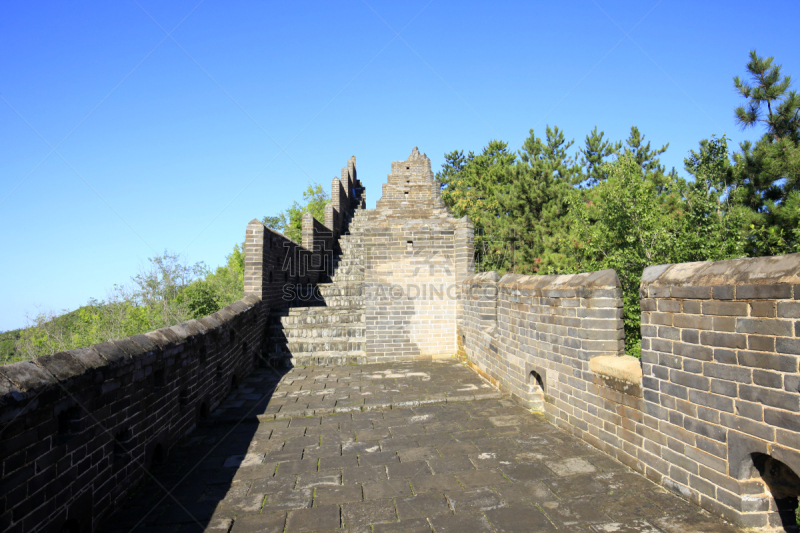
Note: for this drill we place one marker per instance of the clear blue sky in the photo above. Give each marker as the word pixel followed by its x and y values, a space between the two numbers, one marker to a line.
pixel 177 142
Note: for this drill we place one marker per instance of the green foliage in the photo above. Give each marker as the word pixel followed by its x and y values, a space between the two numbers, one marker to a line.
pixel 616 206
pixel 290 222
pixel 472 186
pixel 714 223
pixel 534 203
pixel 164 293
pixel 218 289
pixel 623 226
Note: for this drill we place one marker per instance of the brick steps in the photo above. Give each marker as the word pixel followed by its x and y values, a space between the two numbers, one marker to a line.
pixel 335 332
pixel 316 331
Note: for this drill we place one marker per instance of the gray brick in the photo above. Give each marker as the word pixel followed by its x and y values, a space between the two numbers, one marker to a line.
pixel 725 388
pixel 764 292
pixel 728 372
pixel 757 429
pixel 693 366
pixel 705 429
pixel 670 333
pixel 691 336
pixel 791 346
pixel 764 326
pixel 693 307
pixel 768 379
pixel 693 321
pixel 703 293
pixel 717 308
pixel 669 306
pixel 649 304
pixel 728 357
pixel 789 309
pixel 689 380
pixel 701 353
pixel 661 319
pixel 722 292
pixel 782 419
pixel 723 340
pixel 713 401
pixel 725 324
pixel 779 399
pixel 771 361
pixel 761 344
pixel 764 309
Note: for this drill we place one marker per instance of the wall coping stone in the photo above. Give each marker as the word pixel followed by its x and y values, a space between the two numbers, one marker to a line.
pixel 602 279
pixel 27 377
pixel 482 277
pixel 746 271
pixel 624 367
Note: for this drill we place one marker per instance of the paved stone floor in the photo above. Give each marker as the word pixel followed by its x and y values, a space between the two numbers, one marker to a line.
pixel 416 447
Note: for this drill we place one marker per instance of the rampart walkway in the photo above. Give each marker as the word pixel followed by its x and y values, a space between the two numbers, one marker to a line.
pixel 390 448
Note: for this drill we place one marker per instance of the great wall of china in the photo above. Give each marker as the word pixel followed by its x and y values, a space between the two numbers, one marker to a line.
pixel 711 412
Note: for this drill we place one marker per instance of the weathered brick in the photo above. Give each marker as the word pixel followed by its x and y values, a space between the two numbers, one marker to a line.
pixel 648 304
pixel 761 344
pixel 790 346
pixel 768 379
pixel 789 309
pixel 779 399
pixel 689 380
pixel 782 419
pixel 669 306
pixel 728 372
pixel 764 292
pixel 693 307
pixel 661 319
pixel 725 356
pixel 723 340
pixel 705 429
pixel 670 333
pixel 717 308
pixel 757 429
pixel 692 292
pixel 690 336
pixel 713 401
pixel 693 321
pixel 764 326
pixel 771 361
pixel 722 292
pixel 764 309
pixel 701 353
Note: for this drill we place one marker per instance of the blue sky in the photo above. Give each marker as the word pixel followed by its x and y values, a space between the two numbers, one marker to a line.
pixel 176 123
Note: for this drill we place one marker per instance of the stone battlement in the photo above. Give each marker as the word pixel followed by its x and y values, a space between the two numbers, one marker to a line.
pixel 712 413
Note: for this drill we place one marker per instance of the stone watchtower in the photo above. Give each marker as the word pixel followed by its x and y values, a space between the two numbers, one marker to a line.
pixel 415 256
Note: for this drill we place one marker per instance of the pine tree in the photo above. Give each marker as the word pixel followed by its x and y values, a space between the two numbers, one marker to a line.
pixel 769 90
pixel 646 158
pixel 769 169
pixel 595 152
pixel 534 206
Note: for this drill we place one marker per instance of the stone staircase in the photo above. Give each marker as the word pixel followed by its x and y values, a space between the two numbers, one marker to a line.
pixel 332 333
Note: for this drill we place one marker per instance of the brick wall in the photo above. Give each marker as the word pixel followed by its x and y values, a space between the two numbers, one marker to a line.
pixel 412 278
pixel 79 429
pixel 277 269
pixel 720 362
pixel 712 411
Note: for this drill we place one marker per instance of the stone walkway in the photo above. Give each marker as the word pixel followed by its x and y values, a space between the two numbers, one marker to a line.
pixel 416 447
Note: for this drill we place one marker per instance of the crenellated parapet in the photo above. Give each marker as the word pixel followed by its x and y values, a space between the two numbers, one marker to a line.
pixel 712 409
